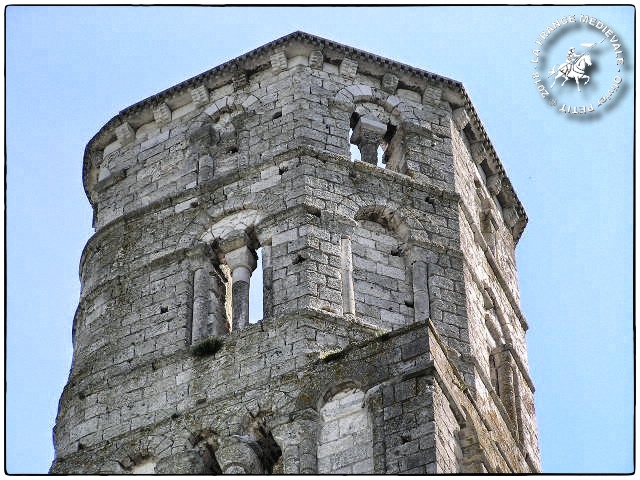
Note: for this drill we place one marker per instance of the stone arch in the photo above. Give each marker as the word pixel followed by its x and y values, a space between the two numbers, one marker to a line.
pixel 375 124
pixel 348 97
pixel 335 388
pixel 356 97
pixel 232 225
pixel 345 435
pixel 144 453
pixel 382 279
pixel 221 280
pixel 218 141
pixel 230 103
pixel 199 229
pixel 194 230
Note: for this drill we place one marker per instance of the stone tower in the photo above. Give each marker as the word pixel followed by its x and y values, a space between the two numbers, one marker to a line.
pixel 392 340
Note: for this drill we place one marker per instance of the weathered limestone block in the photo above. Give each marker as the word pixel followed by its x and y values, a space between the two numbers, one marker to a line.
pixel 316 59
pixel 389 82
pixel 199 95
pixel 348 68
pixel 125 134
pixel 278 62
pixel 239 455
pixel 162 114
pixel 380 350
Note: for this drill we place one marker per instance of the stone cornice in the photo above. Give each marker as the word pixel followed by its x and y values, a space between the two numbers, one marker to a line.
pixel 295 44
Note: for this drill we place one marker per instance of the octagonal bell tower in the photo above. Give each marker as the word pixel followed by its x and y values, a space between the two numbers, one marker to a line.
pixel 391 337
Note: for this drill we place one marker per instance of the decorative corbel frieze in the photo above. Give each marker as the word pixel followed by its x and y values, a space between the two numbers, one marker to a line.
pixel 316 59
pixel 162 114
pixel 389 83
pixel 278 62
pixel 125 134
pixel 199 95
pixel 348 68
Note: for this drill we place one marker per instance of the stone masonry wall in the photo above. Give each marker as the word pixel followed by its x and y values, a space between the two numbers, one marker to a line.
pixel 493 296
pixel 376 291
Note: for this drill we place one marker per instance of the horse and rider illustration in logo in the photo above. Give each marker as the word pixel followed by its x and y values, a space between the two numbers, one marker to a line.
pixel 575 66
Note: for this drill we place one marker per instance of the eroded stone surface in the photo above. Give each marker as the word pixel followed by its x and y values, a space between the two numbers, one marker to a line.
pixel 392 339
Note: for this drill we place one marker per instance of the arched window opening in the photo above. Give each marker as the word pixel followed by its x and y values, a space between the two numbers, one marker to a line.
pixel 353 149
pixel 372 138
pixel 256 289
pixel 380 153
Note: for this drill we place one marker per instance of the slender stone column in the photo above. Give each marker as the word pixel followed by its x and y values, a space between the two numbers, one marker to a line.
pixel 200 324
pixel 348 295
pixel 506 381
pixel 242 262
pixel 201 303
pixel 267 282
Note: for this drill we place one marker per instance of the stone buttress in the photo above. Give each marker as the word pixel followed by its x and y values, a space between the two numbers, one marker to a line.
pixel 392 339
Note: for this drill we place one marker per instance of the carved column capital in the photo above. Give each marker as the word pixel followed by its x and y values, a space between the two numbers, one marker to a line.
pixel 297 439
pixel 243 261
pixel 240 455
pixel 367 135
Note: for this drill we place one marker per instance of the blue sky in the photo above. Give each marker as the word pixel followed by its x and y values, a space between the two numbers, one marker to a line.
pixel 70 69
